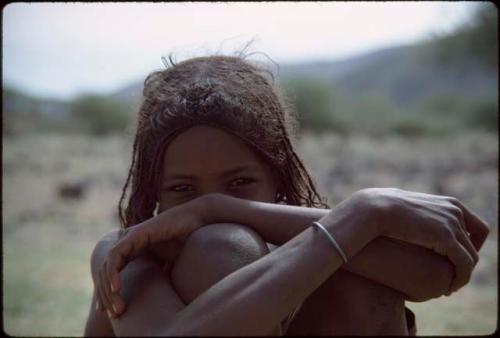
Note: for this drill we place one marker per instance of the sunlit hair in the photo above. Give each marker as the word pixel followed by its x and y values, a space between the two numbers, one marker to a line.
pixel 227 92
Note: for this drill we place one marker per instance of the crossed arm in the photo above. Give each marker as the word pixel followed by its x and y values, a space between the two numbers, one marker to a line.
pixel 149 292
pixel 416 272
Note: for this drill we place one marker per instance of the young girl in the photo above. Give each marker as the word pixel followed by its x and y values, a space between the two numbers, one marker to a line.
pixel 224 232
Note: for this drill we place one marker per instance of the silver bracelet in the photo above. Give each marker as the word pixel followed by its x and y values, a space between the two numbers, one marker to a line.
pixel 334 242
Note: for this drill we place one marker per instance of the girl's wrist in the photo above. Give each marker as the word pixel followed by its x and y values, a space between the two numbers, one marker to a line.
pixel 372 206
pixel 353 223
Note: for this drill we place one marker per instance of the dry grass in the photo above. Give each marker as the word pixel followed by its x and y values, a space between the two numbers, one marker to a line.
pixel 48 240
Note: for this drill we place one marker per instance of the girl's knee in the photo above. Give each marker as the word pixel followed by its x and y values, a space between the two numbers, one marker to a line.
pixel 226 238
pixel 213 252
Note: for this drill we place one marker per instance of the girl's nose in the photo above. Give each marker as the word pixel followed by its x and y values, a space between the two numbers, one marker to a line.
pixel 213 189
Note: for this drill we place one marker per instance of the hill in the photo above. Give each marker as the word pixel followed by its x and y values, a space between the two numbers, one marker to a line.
pixel 405 75
pixel 410 89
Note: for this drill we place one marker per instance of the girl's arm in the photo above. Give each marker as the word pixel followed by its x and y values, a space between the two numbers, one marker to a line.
pixel 254 298
pixel 415 271
pixel 251 300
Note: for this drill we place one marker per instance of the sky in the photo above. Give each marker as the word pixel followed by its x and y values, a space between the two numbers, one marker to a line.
pixel 60 50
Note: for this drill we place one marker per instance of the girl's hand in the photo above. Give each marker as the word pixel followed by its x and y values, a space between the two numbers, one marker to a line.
pixel 440 223
pixel 96 261
pixel 174 224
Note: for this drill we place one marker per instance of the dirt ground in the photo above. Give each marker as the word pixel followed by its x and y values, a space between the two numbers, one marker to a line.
pixel 47 239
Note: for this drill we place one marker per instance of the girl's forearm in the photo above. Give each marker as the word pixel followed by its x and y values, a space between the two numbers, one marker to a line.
pixel 415 271
pixel 276 223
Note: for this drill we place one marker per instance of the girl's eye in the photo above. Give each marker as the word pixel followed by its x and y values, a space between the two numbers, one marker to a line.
pixel 182 188
pixel 241 181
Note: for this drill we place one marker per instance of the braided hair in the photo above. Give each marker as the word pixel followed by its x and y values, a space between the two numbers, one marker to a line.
pixel 227 92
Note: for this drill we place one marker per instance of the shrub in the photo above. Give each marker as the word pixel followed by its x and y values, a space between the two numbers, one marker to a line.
pixel 100 115
pixel 367 113
pixel 482 114
pixel 313 100
pixel 415 123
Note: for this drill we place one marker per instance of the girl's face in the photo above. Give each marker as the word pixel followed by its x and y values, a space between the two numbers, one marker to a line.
pixel 205 160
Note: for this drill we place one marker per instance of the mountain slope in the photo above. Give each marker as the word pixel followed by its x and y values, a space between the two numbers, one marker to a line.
pixel 404 75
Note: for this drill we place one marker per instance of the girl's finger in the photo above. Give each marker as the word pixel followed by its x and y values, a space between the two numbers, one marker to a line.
pixel 463 238
pixel 104 291
pixel 98 301
pixel 463 263
pixel 118 303
pixel 115 299
pixel 474 224
pixel 116 260
pixel 467 244
pixel 125 250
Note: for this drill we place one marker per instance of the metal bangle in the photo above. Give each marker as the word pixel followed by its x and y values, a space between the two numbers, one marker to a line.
pixel 334 242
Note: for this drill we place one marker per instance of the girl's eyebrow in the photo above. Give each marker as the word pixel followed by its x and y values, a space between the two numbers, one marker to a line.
pixel 179 177
pixel 230 172
pixel 239 169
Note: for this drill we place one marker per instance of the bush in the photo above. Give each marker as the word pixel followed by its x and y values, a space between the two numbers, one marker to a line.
pixel 313 100
pixel 367 113
pixel 482 114
pixel 100 115
pixel 458 113
pixel 413 126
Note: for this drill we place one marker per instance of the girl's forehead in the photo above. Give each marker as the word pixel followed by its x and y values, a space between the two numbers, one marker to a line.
pixel 205 148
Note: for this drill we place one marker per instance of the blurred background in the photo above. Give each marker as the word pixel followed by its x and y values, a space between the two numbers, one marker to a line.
pixel 395 94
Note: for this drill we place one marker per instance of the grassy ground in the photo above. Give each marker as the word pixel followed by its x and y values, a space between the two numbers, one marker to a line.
pixel 47 240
